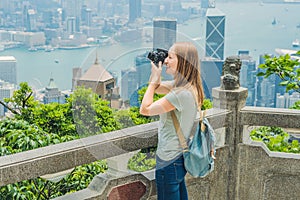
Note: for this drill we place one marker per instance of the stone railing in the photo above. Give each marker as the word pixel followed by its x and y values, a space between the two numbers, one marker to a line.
pixel 244 169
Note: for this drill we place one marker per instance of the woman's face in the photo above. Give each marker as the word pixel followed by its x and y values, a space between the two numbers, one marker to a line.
pixel 171 62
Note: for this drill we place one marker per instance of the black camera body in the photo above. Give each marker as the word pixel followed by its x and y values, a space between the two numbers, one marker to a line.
pixel 158 55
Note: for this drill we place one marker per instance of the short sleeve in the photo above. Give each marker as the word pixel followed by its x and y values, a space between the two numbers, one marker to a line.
pixel 174 98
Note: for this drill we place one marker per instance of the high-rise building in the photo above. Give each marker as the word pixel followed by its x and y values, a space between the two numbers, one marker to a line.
pixel 31 20
pixel 248 76
pixel 72 9
pixel 8 69
pixel 6 91
pixel 265 89
pixel 129 83
pixel 164 32
pixel 135 10
pixel 52 93
pixel 71 25
pixel 143 69
pixel 215 33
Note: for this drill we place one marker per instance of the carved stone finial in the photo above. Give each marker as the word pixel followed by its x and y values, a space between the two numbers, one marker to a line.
pixel 230 79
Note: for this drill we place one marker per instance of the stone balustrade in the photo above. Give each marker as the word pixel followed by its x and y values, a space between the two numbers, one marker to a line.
pixel 244 169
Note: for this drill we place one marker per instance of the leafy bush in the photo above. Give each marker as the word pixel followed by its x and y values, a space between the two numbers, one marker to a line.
pixel 142 161
pixel 40 188
pixel 275 139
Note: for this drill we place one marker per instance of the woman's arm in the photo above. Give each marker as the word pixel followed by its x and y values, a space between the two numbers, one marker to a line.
pixel 164 87
pixel 150 108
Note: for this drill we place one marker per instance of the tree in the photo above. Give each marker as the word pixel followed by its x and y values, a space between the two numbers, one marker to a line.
pixel 22 102
pixel 286 68
pixel 91 114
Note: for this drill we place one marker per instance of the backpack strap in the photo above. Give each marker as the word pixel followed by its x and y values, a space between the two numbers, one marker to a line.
pixel 202 115
pixel 181 138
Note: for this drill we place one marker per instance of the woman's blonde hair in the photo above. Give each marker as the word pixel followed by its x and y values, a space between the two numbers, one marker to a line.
pixel 188 68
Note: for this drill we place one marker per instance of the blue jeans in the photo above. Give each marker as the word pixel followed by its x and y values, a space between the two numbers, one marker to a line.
pixel 170 183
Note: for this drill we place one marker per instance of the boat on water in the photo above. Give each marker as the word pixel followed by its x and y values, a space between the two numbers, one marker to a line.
pixel 32 49
pixel 296 43
pixel 274 21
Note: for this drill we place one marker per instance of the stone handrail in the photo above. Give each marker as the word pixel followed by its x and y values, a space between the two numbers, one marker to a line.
pixel 260 116
pixel 67 155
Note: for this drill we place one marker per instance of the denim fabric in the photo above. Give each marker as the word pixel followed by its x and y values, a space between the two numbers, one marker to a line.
pixel 170 183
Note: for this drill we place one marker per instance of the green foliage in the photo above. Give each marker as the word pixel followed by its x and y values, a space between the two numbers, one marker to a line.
pixel 142 92
pixel 40 188
pixel 55 118
pixel 124 118
pixel 22 102
pixel 296 106
pixel 142 161
pixel 91 114
pixel 19 135
pixel 275 139
pixel 138 119
pixel 207 104
pixel 285 68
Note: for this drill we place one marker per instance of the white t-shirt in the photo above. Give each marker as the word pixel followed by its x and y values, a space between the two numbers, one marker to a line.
pixel 183 100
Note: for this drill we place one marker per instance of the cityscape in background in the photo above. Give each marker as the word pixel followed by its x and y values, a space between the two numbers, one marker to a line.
pixel 73 25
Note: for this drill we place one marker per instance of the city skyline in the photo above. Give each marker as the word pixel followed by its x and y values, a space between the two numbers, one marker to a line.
pixel 108 24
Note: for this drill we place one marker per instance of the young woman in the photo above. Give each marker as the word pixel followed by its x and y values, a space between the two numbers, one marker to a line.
pixel 184 95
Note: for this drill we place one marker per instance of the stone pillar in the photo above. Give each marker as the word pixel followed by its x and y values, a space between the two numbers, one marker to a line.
pixel 234 101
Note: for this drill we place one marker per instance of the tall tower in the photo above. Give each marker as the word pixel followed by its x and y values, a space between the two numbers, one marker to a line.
pixel 8 69
pixel 215 30
pixel 135 8
pixel 164 33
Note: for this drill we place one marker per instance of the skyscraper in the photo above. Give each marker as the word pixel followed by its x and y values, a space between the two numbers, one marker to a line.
pixel 265 90
pixel 6 91
pixel 164 33
pixel 248 76
pixel 135 10
pixel 215 33
pixel 72 8
pixel 128 83
pixel 31 24
pixel 8 69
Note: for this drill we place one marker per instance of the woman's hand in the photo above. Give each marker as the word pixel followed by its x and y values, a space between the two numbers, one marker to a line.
pixel 155 77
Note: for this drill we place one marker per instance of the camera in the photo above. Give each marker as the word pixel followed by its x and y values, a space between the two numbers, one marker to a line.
pixel 158 55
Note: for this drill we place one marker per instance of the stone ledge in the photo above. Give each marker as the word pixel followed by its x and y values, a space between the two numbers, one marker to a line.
pixel 260 116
